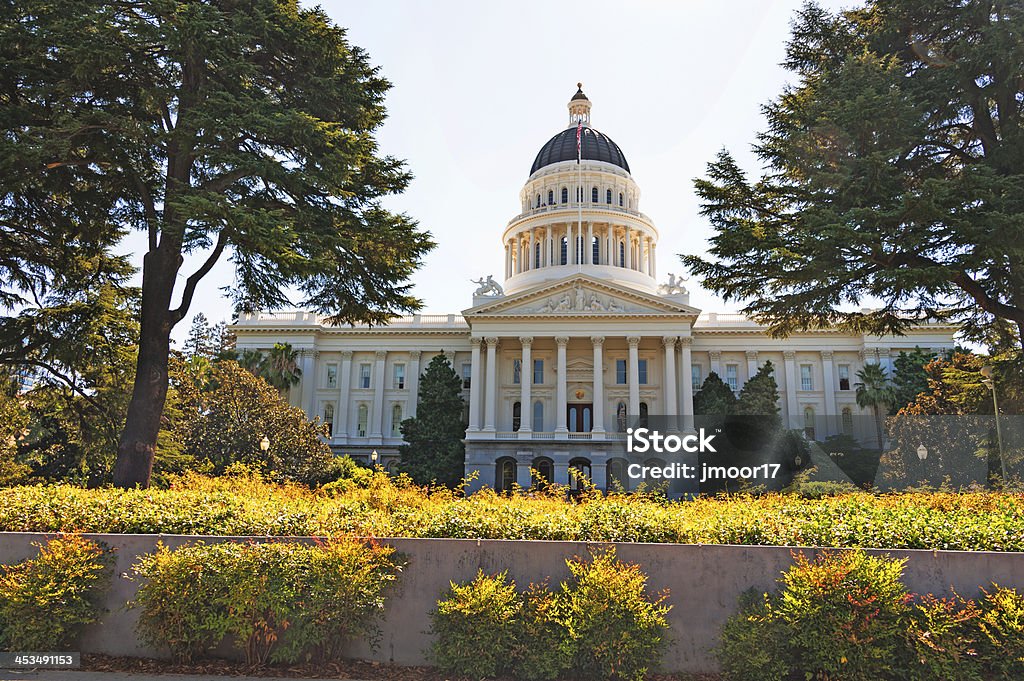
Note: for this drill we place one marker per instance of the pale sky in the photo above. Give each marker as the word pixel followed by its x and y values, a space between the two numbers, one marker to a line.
pixel 478 87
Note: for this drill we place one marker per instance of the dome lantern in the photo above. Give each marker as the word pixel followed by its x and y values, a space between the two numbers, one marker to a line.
pixel 579 108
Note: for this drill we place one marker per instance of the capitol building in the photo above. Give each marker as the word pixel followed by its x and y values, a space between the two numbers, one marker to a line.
pixel 580 335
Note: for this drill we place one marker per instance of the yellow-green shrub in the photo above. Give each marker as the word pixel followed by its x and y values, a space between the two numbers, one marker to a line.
pixel 999 629
pixel 47 600
pixel 276 601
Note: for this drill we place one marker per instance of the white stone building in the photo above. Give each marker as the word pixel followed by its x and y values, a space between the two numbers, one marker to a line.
pixel 580 336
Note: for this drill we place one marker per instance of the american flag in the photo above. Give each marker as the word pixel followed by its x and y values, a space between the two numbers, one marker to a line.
pixel 579 141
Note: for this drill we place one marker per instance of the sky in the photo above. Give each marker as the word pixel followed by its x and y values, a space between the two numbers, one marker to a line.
pixel 479 87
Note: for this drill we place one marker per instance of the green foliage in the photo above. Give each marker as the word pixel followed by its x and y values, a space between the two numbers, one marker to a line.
pixel 893 173
pixel 999 632
pixel 753 643
pixel 601 624
pixel 276 601
pixel 434 449
pixel 909 377
pixel 46 601
pixel 942 644
pixel 760 395
pixel 476 626
pixel 875 391
pixel 617 629
pixel 714 397
pixel 14 420
pixel 224 414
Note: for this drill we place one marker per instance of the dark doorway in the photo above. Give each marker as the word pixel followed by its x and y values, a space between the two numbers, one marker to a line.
pixel 579 417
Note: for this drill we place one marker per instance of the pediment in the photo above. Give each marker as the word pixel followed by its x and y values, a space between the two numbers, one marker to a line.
pixel 580 296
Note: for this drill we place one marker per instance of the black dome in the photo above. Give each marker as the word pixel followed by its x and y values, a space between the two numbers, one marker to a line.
pixel 594 146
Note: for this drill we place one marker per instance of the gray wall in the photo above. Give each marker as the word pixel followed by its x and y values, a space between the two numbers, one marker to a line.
pixel 705 583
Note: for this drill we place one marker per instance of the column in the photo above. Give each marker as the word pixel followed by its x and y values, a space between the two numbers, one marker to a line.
pixel 885 359
pixel 634 376
pixel 609 251
pixel 492 384
pixel 751 364
pixel 530 262
pixel 508 259
pixel 599 406
pixel 570 250
pixel 560 392
pixel 378 396
pixel 307 359
pixel 829 386
pixel 475 385
pixel 716 362
pixel 671 410
pixel 344 395
pixel 654 256
pixel 629 249
pixel 413 383
pixel 525 384
pixel 791 406
pixel 687 361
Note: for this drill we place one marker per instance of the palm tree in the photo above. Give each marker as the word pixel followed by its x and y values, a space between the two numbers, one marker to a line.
pixel 280 368
pixel 874 390
pixel 251 360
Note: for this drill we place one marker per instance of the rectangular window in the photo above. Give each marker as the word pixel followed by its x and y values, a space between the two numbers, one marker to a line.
pixel 697 376
pixel 844 376
pixel 641 366
pixel 364 375
pixel 538 372
pixel 517 371
pixel 732 376
pixel 806 377
pixel 332 375
pixel 467 376
pixel 329 418
pixel 620 371
pixel 399 378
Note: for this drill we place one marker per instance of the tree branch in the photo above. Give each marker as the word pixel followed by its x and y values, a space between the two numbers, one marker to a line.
pixel 178 314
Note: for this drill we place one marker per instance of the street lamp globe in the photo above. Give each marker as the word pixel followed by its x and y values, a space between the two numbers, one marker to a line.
pixel 265 443
pixel 922 452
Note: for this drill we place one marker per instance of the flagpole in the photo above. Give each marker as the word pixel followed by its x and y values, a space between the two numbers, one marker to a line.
pixel 579 195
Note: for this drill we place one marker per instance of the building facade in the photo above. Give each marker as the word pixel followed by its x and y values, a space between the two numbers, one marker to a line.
pixel 580 336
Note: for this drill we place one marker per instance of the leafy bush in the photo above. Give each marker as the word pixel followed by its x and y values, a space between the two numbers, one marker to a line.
pixel 942 640
pixel 277 601
pixel 377 505
pixel 999 629
pixel 601 624
pixel 753 642
pixel 617 629
pixel 47 600
pixel 476 625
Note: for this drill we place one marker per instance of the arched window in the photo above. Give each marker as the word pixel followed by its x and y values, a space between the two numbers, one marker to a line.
pixel 595 248
pixel 396 421
pixel 593 195
pixel 650 480
pixel 847 421
pixel 643 415
pixel 565 195
pixel 536 254
pixel 329 418
pixel 362 417
pixel 618 479
pixel 608 196
pixel 551 197
pixel 544 471
pixel 622 254
pixel 538 416
pixel 538 201
pixel 504 474
pixel 564 259
pixel 620 200
pixel 582 468
pixel 809 422
pixel 517 416
pixel 620 417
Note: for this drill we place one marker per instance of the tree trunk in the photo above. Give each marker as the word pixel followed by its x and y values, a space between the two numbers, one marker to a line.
pixel 137 447
pixel 878 426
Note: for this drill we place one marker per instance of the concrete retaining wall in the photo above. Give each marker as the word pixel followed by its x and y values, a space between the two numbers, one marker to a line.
pixel 705 583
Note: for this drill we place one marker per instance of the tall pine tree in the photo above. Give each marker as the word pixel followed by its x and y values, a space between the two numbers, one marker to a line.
pixel 760 396
pixel 434 451
pixel 714 398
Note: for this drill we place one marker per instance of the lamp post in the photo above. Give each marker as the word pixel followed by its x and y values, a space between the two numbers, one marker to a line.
pixel 990 382
pixel 373 457
pixel 922 452
pixel 265 443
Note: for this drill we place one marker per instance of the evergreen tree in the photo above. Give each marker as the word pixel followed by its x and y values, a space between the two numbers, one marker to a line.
pixel 874 390
pixel 223 342
pixel 895 173
pixel 760 396
pixel 214 128
pixel 197 344
pixel 434 449
pixel 714 398
pixel 909 378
